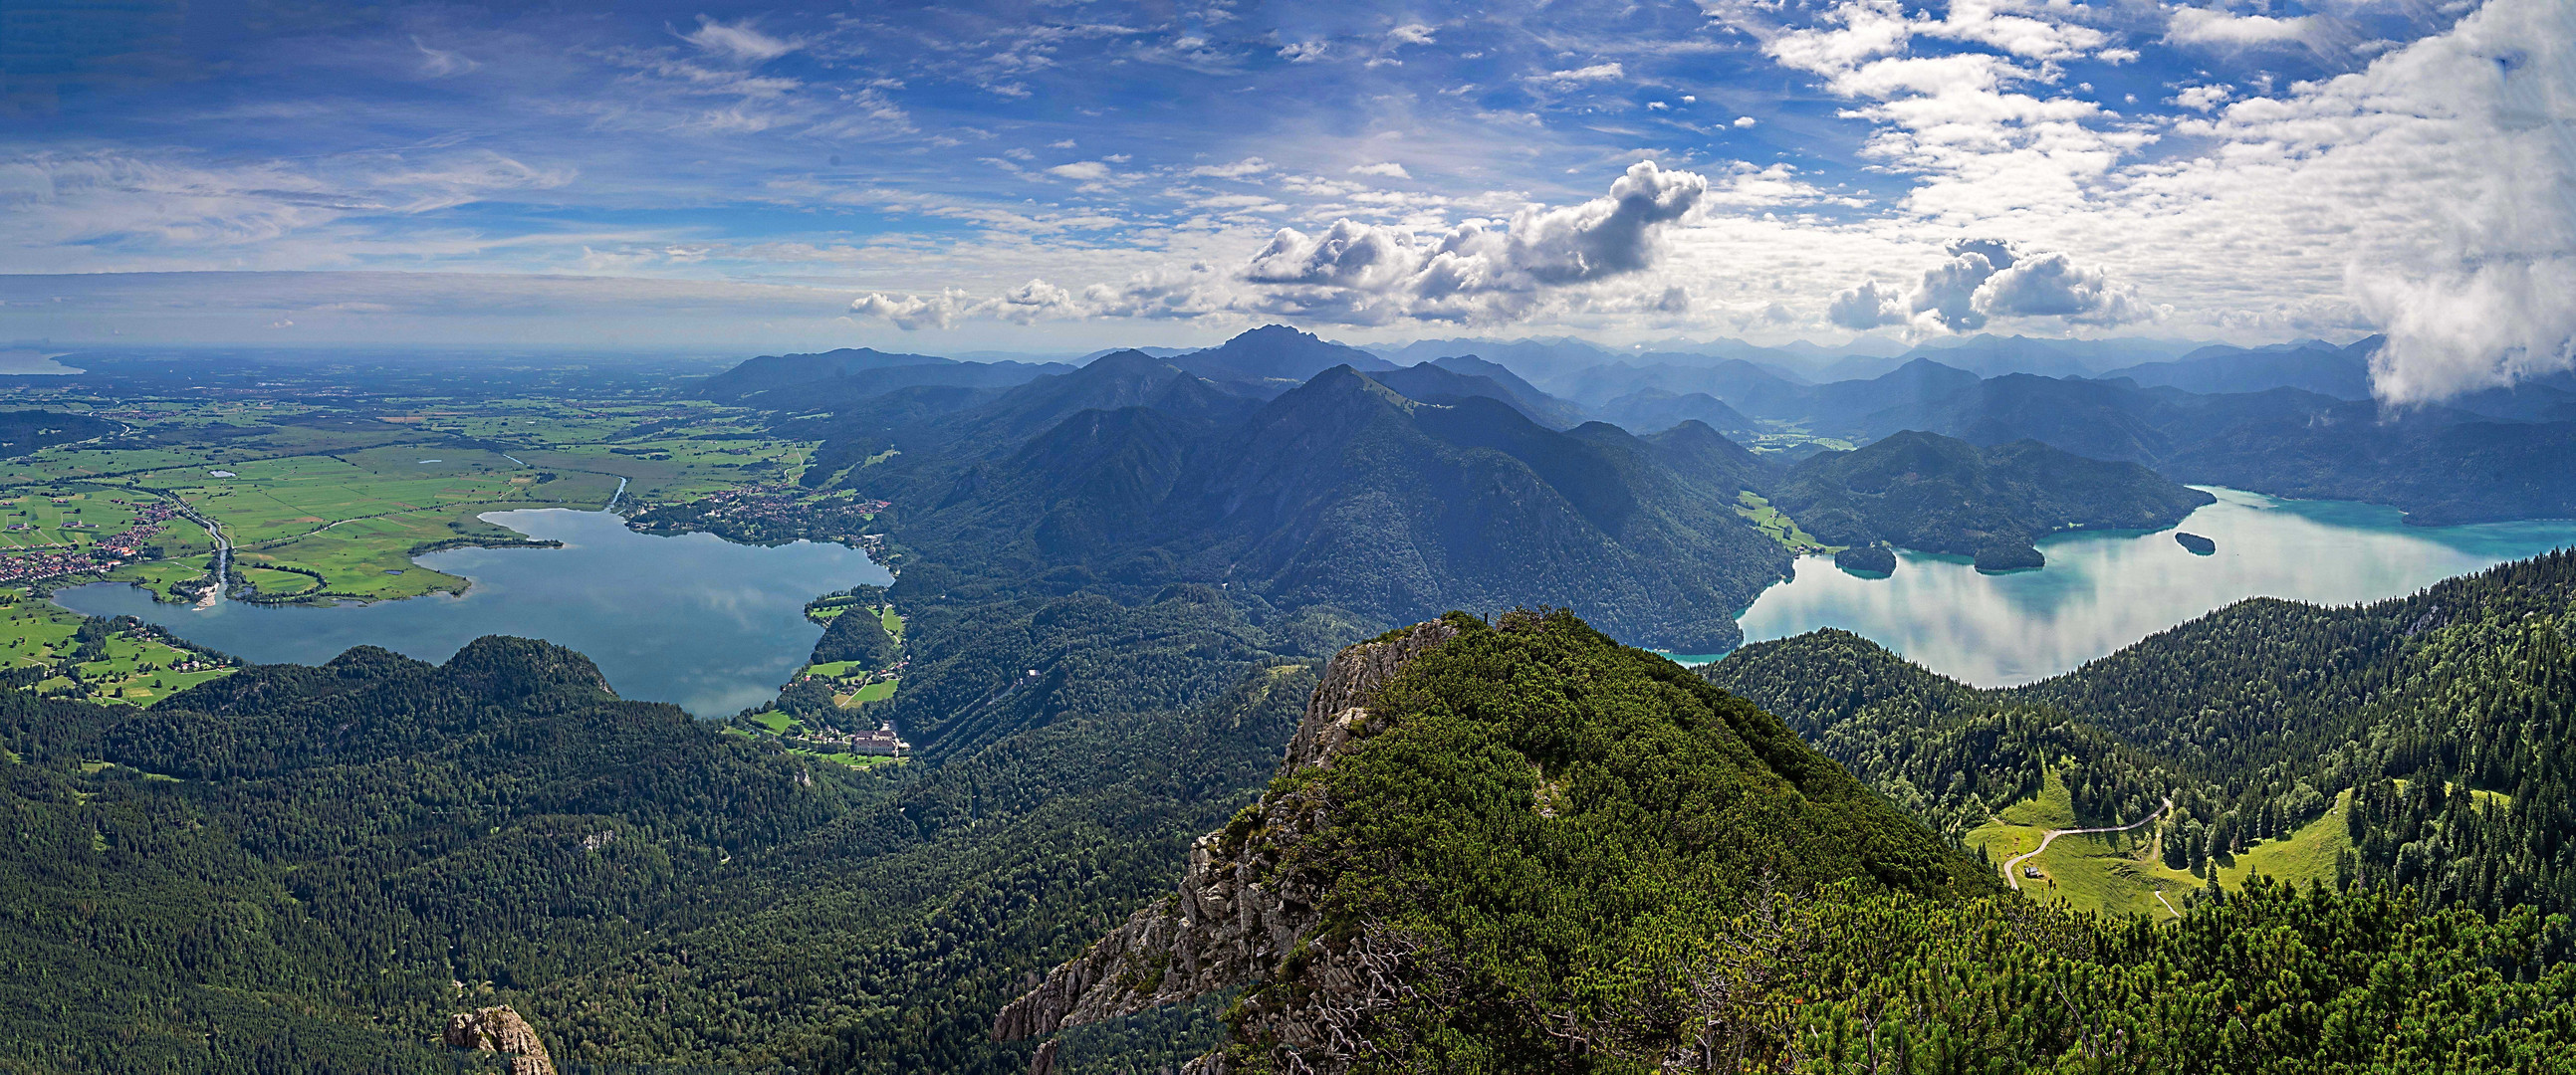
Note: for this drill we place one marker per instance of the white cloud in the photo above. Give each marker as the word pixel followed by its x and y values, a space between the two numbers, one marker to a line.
pixel 1599 72
pixel 1303 51
pixel 2472 126
pixel 2206 26
pixel 1248 166
pixel 1411 33
pixel 1986 278
pixel 1745 121
pixel 1087 171
pixel 1388 169
pixel 739 41
pixel 2203 98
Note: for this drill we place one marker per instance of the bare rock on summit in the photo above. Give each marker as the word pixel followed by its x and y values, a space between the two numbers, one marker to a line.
pixel 1234 917
pixel 501 1030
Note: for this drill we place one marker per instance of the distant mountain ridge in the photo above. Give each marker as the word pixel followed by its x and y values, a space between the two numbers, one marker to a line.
pixel 851 374
pixel 1340 492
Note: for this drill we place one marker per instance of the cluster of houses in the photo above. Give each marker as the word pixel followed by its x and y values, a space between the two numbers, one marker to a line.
pixel 880 740
pixel 31 563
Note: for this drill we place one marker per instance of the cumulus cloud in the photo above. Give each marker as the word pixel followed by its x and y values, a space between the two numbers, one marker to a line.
pixel 1024 304
pixel 1987 278
pixel 1867 307
pixel 1302 51
pixel 2489 297
pixel 2203 98
pixel 1087 171
pixel 1361 273
pixel 1389 169
pixel 1411 33
pixel 1364 273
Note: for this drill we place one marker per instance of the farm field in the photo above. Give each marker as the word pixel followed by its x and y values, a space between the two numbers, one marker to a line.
pixel 1777 526
pixel 129 667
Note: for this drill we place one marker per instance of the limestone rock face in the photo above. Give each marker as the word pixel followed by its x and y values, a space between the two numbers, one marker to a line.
pixel 501 1030
pixel 1236 915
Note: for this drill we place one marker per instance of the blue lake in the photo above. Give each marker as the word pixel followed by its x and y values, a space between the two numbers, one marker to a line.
pixel 2102 591
pixel 695 620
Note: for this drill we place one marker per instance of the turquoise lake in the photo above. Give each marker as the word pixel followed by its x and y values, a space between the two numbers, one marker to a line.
pixel 2102 591
pixel 694 619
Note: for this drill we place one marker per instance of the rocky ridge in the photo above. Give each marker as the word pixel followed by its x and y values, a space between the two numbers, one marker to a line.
pixel 1234 918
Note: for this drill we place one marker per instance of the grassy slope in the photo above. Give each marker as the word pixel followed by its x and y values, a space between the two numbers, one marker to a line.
pixel 2120 873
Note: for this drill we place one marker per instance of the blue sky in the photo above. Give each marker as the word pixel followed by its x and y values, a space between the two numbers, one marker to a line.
pixel 1062 175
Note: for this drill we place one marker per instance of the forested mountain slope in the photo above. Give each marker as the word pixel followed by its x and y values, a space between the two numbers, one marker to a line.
pixel 1520 847
pixel 1451 809
pixel 1132 474
pixel 2447 713
pixel 298 861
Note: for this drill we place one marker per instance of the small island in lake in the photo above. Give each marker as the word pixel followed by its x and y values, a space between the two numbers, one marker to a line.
pixel 2199 546
pixel 1869 560
pixel 1997 555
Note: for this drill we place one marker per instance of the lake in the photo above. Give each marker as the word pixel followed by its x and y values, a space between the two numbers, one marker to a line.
pixel 693 619
pixel 2102 591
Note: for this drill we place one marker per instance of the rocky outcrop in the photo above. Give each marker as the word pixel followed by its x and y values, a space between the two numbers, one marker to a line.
pixel 1236 914
pixel 501 1030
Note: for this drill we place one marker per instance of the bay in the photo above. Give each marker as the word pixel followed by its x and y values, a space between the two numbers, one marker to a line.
pixel 2101 591
pixel 693 619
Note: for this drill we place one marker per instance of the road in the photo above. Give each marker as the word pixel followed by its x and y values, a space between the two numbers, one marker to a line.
pixel 2012 869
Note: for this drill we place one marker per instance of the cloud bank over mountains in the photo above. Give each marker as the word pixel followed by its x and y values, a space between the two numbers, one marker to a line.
pixel 995 174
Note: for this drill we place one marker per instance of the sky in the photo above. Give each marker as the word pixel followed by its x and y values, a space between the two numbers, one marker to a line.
pixel 1058 176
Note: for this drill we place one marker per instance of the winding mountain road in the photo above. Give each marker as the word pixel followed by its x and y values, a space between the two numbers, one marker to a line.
pixel 2012 867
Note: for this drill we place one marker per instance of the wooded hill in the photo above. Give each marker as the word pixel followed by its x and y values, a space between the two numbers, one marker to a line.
pixel 2447 713
pixel 1346 492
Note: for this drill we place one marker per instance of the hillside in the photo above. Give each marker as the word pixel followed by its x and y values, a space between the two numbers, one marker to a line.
pixel 2254 718
pixel 1928 492
pixel 1450 806
pixel 1340 493
pixel 1520 847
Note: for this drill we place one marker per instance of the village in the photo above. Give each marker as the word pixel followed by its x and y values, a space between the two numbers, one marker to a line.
pixel 766 513
pixel 36 563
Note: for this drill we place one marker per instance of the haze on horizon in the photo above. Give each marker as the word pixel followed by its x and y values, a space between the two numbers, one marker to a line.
pixel 1059 177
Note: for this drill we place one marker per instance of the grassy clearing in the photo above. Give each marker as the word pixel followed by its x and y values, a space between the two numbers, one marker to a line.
pixel 874 692
pixel 852 761
pixel 2120 873
pixel 1777 526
